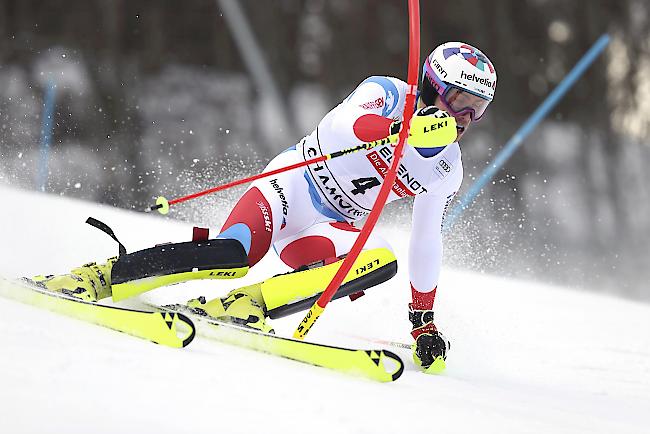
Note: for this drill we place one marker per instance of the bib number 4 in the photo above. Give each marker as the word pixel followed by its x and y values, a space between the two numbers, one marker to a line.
pixel 363 184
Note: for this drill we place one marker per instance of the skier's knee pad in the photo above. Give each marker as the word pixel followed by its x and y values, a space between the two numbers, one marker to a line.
pixel 298 290
pixel 166 264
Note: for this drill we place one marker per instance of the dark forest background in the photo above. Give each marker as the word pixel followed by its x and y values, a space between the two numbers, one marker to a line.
pixel 159 97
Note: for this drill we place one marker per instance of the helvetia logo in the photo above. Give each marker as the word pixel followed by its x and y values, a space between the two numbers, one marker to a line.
pixel 477 79
pixel 280 191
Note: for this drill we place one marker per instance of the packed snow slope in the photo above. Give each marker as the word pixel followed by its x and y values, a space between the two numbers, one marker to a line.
pixel 525 358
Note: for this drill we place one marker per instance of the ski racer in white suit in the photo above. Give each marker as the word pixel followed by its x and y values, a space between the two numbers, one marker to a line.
pixel 307 215
pixel 313 209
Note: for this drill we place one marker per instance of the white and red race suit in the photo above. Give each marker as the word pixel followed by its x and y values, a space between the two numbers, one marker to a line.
pixel 307 214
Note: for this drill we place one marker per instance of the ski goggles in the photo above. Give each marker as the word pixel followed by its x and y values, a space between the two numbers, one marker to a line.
pixel 457 101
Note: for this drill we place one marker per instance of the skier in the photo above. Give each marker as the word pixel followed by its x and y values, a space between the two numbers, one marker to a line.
pixel 307 215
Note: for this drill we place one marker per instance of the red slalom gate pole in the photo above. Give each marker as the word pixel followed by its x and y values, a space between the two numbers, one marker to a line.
pixel 414 58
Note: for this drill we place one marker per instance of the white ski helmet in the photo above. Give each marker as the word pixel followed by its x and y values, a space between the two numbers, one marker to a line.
pixel 462 75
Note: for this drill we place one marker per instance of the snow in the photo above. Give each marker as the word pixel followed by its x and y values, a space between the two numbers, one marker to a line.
pixel 525 357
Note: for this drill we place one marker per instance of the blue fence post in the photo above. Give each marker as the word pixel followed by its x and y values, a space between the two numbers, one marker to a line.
pixel 46 132
pixel 527 127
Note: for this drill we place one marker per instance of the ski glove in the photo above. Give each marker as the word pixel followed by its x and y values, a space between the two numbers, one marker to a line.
pixel 430 345
pixel 430 128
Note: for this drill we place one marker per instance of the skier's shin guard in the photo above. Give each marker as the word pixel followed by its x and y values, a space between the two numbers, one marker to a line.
pixel 297 291
pixel 167 264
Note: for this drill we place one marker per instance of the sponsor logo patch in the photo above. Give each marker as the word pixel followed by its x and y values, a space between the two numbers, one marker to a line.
pixel 405 184
pixel 443 168
pixel 268 225
pixel 473 77
pixel 371 105
pixel 439 68
pixel 450 198
pixel 280 191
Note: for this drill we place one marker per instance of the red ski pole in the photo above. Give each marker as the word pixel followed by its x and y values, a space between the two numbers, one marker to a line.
pixel 162 204
pixel 414 57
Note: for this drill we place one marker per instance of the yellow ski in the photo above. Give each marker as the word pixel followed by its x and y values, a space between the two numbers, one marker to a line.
pixel 165 328
pixel 379 365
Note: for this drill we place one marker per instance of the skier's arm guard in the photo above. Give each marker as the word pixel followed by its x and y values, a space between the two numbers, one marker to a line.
pixel 298 290
pixel 142 271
